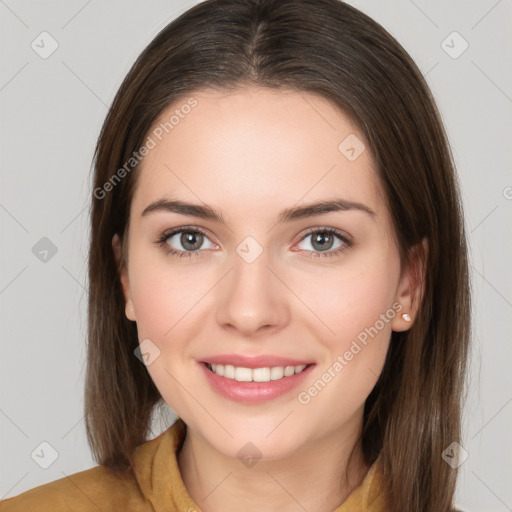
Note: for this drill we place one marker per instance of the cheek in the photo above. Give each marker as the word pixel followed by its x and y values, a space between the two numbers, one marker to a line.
pixel 355 302
pixel 167 300
pixel 352 297
pixel 165 296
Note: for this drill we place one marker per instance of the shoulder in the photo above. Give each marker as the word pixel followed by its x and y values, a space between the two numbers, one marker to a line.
pixel 98 488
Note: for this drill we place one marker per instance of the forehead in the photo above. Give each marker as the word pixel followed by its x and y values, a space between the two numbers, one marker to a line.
pixel 256 149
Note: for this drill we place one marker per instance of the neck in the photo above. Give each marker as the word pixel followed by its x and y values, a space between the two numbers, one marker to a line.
pixel 314 478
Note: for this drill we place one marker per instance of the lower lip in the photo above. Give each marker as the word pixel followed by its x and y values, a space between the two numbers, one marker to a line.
pixel 254 392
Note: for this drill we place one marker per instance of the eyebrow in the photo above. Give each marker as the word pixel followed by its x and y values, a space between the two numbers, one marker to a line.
pixel 288 214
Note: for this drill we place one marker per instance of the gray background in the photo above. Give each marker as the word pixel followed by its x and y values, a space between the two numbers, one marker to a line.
pixel 51 113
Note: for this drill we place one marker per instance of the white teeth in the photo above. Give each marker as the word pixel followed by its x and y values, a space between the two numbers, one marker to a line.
pixel 289 371
pixel 276 373
pixel 229 371
pixel 255 374
pixel 243 374
pixel 261 374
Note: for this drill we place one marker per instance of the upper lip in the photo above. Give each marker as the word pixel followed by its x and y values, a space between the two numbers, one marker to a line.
pixel 261 361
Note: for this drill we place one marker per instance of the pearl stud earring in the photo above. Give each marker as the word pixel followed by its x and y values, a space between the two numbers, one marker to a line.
pixel 406 317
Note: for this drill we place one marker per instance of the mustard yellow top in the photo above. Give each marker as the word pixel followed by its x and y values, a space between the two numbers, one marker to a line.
pixel 156 487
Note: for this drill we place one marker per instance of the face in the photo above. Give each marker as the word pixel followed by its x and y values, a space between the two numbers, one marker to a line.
pixel 255 288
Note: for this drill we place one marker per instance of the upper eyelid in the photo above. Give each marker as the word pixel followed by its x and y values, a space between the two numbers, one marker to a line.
pixel 185 229
pixel 335 231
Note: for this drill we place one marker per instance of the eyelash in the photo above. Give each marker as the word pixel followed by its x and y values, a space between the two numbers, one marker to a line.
pixel 161 242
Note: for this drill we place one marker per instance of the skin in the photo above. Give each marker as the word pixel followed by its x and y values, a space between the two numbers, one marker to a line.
pixel 249 154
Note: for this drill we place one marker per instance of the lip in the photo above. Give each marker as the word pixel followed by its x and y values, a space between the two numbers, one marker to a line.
pixel 254 392
pixel 261 361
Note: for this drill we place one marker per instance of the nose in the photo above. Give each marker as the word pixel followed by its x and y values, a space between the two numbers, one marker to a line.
pixel 252 299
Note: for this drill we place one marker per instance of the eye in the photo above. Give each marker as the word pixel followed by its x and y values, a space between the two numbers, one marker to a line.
pixel 325 242
pixel 184 242
pixel 188 241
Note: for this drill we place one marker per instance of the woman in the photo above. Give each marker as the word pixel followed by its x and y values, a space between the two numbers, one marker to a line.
pixel 278 254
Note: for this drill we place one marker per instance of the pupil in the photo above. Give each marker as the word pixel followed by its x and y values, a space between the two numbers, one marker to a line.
pixel 325 239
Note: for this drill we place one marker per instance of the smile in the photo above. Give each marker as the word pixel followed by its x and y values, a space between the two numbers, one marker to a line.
pixel 265 374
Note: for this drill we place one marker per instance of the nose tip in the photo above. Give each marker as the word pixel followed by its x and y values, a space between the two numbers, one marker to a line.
pixel 247 325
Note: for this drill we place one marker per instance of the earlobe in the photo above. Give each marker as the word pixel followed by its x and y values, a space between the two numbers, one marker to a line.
pixel 402 321
pixel 129 311
pixel 411 288
pixel 123 277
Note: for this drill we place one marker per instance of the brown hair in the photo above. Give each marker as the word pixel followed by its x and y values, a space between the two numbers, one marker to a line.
pixel 329 48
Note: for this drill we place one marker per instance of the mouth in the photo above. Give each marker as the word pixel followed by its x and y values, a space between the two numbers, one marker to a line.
pixel 255 378
pixel 263 374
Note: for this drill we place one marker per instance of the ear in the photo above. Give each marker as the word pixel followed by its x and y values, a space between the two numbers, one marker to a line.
pixel 123 276
pixel 411 287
